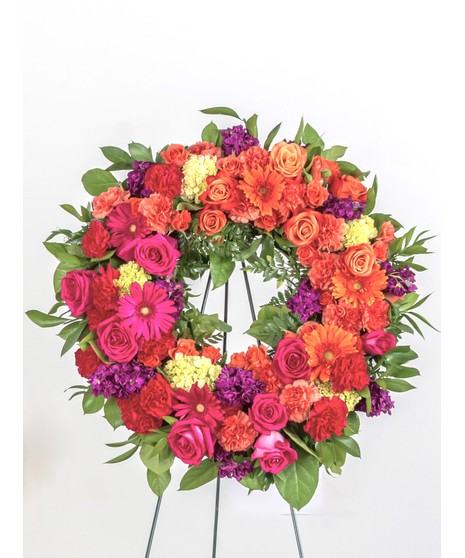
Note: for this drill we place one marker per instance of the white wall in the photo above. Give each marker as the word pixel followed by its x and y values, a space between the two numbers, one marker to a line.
pixel 368 75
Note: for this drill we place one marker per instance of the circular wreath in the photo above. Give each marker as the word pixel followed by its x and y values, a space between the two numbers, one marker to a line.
pixel 328 342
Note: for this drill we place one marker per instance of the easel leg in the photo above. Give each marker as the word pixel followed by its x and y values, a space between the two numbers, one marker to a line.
pixel 154 524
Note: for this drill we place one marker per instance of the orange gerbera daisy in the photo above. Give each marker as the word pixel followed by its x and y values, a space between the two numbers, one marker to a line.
pixel 325 345
pixel 263 188
pixel 358 290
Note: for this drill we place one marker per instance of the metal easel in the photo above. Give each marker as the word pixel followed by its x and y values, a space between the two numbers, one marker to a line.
pixel 217 493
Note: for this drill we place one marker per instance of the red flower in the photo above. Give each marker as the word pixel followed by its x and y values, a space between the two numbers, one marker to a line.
pixel 135 417
pixel 87 361
pixel 156 397
pixel 327 417
pixel 96 240
pixel 198 403
pixel 153 352
pixel 350 373
pixel 180 220
pixel 164 179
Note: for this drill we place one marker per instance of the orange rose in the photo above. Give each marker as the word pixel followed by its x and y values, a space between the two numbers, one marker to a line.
pixel 380 250
pixel 303 227
pixel 348 187
pixel 185 347
pixel 288 159
pixel 315 194
pixel 181 220
pixel 176 154
pixel 213 353
pixel 326 298
pixel 387 232
pixel 306 255
pixel 321 168
pixel 360 259
pixel 307 328
pixel 211 220
pixel 239 360
pixel 221 191
pixel 267 222
pixel 106 201
pixel 231 165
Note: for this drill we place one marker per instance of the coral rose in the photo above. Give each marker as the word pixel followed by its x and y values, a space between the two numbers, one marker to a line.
pixel 190 440
pixel 360 259
pixel 185 347
pixel 180 220
pixel 380 249
pixel 387 232
pixel 231 165
pixel 213 353
pixel 211 220
pixel 303 227
pixel 175 154
pixel 327 417
pixel 221 191
pixel 348 187
pixel 315 194
pixel 288 159
pixel 274 452
pixel 267 413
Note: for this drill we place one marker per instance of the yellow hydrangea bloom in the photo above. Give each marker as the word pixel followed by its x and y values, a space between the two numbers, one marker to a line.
pixel 184 371
pixel 130 273
pixel 350 398
pixel 195 170
pixel 360 231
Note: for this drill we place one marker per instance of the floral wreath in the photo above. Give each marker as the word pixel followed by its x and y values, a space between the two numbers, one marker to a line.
pixel 328 343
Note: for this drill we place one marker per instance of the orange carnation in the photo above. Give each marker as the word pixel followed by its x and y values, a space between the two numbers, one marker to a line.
pixel 205 148
pixel 157 210
pixel 294 195
pixel 303 227
pixel 175 154
pixel 376 316
pixel 348 187
pixel 359 290
pixel 236 432
pixel 325 345
pixel 298 397
pixel 239 360
pixel 106 201
pixel 331 233
pixel 288 159
pixel 211 220
pixel 323 268
pixel 360 259
pixel 221 191
pixel 344 316
pixel 153 352
pixel 263 188
pixel 255 157
pixel 307 328
pixel 231 165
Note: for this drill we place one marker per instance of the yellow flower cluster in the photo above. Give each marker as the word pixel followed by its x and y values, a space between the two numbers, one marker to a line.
pixel 130 273
pixel 360 231
pixel 195 170
pixel 350 398
pixel 184 371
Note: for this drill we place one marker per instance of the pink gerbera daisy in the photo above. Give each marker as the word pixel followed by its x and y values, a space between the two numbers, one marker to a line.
pixel 199 403
pixel 124 226
pixel 147 312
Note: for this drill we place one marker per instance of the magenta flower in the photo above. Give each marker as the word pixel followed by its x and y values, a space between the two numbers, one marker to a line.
pixel 125 227
pixel 147 312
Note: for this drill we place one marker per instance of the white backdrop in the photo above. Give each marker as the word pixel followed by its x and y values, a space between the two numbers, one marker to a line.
pixel 109 72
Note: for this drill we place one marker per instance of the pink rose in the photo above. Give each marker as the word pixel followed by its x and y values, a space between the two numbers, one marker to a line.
pixel 190 440
pixel 116 341
pixel 274 451
pixel 157 254
pixel 267 413
pixel 290 361
pixel 75 290
pixel 378 342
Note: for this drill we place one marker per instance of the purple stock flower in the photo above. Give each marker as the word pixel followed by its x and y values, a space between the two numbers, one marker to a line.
pixel 236 140
pixel 236 385
pixel 305 302
pixel 230 468
pixel 381 401
pixel 175 293
pixel 344 208
pixel 136 179
pixel 120 380
pixel 400 281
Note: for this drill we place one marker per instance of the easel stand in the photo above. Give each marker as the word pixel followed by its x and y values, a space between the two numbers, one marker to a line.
pixel 217 494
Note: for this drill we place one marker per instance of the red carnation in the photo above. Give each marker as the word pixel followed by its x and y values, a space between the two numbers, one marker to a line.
pixel 135 417
pixel 327 417
pixel 156 397
pixel 349 373
pixel 96 240
pixel 87 361
pixel 164 179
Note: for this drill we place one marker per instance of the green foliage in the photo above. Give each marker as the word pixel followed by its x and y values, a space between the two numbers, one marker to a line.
pixel 97 181
pixel 311 137
pixel 198 476
pixel 158 482
pixel 257 480
pixel 45 320
pixel 118 156
pixel 334 153
pixel 270 137
pixel 271 323
pixel 251 125
pixel 210 133
pixel 157 458
pixel 140 153
pixel 224 111
pixel 298 481
pixel 221 268
pixel 371 197
pixel 92 404
pixel 112 413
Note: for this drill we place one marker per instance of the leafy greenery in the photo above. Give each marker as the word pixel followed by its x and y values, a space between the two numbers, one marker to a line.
pixel 298 481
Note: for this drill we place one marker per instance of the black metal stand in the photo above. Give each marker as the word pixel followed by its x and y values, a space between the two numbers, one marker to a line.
pixel 217 494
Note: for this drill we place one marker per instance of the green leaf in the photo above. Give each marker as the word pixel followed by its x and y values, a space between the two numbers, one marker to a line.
pixel 270 137
pixel 403 372
pixel 72 211
pixel 348 443
pixel 221 268
pixel 116 155
pixel 92 404
pixel 400 355
pixel 353 424
pixel 298 440
pixel 255 481
pixel 210 133
pixel 119 166
pixel 73 332
pixel 334 153
pixel 225 111
pixel 158 483
pixel 298 481
pixel 198 476
pixel 270 324
pixel 366 394
pixel 349 168
pixel 140 153
pixel 97 181
pixel 123 456
pixel 397 385
pixel 312 137
pixel 59 250
pixel 251 125
pixel 371 197
pixel 424 320
pixel 45 320
pixel 251 250
pixel 158 458
pixel 112 413
pixel 300 131
pixel 267 252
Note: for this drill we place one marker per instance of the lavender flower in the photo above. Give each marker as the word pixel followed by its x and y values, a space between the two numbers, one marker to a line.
pixel 230 468
pixel 136 179
pixel 381 401
pixel 305 302
pixel 344 208
pixel 400 281
pixel 175 292
pixel 236 385
pixel 120 380
pixel 236 140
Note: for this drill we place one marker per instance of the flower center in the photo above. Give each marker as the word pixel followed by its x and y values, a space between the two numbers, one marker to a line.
pixel 200 408
pixel 329 355
pixel 358 285
pixel 132 227
pixel 145 310
pixel 262 190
